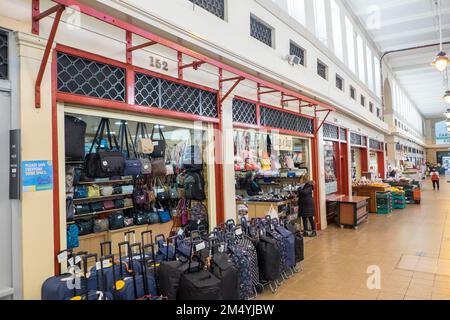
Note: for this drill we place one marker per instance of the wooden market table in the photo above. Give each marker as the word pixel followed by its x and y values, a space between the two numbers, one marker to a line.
pixel 371 192
pixel 352 210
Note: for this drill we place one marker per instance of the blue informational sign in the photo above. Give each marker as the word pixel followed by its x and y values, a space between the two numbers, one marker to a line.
pixel 37 175
pixel 442 135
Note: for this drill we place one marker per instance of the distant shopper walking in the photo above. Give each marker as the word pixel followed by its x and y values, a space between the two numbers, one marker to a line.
pixel 435 179
pixel 306 206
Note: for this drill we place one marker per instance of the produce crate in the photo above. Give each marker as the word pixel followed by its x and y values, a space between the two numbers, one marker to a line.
pixel 384 202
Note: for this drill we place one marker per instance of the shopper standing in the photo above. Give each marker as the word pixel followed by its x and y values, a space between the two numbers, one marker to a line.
pixel 435 179
pixel 252 187
pixel 307 206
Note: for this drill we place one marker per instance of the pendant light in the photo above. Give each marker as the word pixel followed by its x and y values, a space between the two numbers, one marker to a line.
pixel 441 61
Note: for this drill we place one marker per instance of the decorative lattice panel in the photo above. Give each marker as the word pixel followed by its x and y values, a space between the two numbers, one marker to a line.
pixel 297 51
pixel 374 144
pixel 216 7
pixel 164 94
pixel 3 55
pixel 356 139
pixel 244 112
pixel 287 121
pixel 260 31
pixel 339 83
pixel 330 131
pixel 90 78
pixel 343 134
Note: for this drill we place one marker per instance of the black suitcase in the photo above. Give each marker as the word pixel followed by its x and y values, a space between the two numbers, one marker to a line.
pixel 222 267
pixel 201 285
pixel 74 136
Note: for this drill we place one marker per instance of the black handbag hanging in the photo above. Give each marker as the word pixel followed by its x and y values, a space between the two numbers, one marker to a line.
pixel 159 145
pixel 74 135
pixel 133 165
pixel 104 163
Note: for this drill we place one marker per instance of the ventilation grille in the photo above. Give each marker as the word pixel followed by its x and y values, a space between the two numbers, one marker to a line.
pixel 357 140
pixel 260 31
pixel 244 112
pixel 164 94
pixel 343 134
pixel 3 55
pixel 374 144
pixel 330 131
pixel 216 7
pixel 90 78
pixel 282 120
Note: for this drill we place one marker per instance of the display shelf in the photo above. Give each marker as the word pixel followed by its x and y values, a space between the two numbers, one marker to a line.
pixel 75 162
pixel 104 182
pixel 114 196
pixel 80 216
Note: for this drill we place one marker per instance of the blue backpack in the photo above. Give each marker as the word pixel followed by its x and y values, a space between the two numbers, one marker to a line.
pixel 72 236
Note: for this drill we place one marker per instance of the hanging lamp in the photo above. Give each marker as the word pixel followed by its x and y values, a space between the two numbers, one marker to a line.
pixel 441 61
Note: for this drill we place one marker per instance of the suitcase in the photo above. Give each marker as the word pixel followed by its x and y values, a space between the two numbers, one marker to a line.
pixel 299 243
pixel 241 262
pixel 94 290
pixel 289 241
pixel 74 136
pixel 57 288
pixel 269 258
pixel 200 285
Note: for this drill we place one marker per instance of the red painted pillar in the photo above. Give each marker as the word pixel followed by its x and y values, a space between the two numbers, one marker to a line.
pixel 316 173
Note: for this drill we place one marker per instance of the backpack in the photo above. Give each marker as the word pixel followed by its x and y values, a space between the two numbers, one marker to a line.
pixel 193 185
pixel 74 136
pixel 72 236
pixel 192 159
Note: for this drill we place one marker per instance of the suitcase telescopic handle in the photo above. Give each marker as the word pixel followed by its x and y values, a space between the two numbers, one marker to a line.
pixel 160 237
pixel 127 235
pixel 149 235
pixel 108 246
pixel 109 257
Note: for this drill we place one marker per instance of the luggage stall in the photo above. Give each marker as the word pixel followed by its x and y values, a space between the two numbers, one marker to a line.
pixel 275 157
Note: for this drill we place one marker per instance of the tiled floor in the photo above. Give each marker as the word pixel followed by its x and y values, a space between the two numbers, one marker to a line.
pixel 411 248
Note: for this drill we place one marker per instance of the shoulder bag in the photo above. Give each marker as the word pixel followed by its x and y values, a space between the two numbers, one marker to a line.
pixel 144 144
pixel 159 145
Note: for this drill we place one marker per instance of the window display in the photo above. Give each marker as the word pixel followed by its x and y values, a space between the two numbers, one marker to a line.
pixel 356 164
pixel 331 183
pixel 120 174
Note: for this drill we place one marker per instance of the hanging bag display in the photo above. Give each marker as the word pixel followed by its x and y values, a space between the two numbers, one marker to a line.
pixel 74 136
pixel 143 143
pixel 133 166
pixel 106 163
pixel 194 186
pixel 192 158
pixel 159 168
pixel 159 145
pixel 161 193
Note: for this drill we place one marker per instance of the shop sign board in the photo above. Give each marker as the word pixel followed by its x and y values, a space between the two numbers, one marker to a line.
pixel 37 175
pixel 442 134
pixel 282 143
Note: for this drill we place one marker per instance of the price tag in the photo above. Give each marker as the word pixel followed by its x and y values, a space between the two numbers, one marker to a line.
pixel 62 257
pixel 180 232
pixel 222 248
pixel 77 259
pixel 71 263
pixel 200 246
pixel 98 265
pixel 238 231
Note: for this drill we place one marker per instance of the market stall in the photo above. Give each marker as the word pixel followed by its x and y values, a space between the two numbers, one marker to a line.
pixel 359 156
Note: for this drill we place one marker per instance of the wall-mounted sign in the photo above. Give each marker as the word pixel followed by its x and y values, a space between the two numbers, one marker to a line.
pixel 37 175
pixel 158 63
pixel 442 135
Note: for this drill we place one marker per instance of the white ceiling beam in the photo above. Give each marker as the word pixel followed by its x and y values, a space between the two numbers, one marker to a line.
pixel 360 8
pixel 410 33
pixel 414 44
pixel 411 18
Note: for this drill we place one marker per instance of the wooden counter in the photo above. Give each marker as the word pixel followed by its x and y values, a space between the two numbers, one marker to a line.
pixel 261 209
pixel 371 192
pixel 352 211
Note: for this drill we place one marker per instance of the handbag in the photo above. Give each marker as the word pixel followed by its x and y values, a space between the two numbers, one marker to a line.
pixel 146 166
pixel 164 216
pixel 150 194
pixel 128 222
pixel 153 217
pixel 159 168
pixel 133 167
pixel 116 221
pixel 127 189
pixel 93 191
pixel 140 218
pixel 106 191
pixel 70 209
pixel 101 225
pixel 83 208
pixel 169 169
pixel 81 192
pixel 265 164
pixel 127 202
pixel 74 136
pixel 85 227
pixel 97 206
pixel 161 193
pixel 159 145
pixel 173 192
pixel 139 197
pixel 108 205
pixel 103 164
pixel 143 143
pixel 120 203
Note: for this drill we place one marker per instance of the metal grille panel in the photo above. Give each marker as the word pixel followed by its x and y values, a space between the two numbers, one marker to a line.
pixel 356 139
pixel 330 131
pixel 3 55
pixel 287 121
pixel 216 7
pixel 322 69
pixel 297 51
pixel 343 134
pixel 339 83
pixel 260 31
pixel 244 112
pixel 374 144
pixel 164 94
pixel 90 78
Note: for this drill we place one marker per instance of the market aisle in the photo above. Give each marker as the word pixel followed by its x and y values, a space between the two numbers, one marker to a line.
pixel 411 248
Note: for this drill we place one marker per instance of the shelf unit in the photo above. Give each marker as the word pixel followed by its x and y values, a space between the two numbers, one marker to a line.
pixel 105 182
pixel 114 196
pixel 92 214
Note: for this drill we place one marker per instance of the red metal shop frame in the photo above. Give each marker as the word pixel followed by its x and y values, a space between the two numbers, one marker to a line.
pixel 380 158
pixel 287 95
pixel 365 154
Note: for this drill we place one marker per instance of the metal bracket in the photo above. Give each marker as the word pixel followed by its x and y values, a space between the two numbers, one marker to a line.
pixel 238 80
pixel 59 9
pixel 323 121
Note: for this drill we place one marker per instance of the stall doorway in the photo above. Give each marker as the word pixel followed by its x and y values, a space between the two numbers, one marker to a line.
pixel 356 164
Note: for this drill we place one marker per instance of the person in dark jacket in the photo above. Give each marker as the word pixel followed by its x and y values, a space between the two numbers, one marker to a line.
pixel 307 206
pixel 252 187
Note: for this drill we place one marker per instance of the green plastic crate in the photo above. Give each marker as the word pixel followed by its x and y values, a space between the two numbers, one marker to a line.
pixel 384 210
